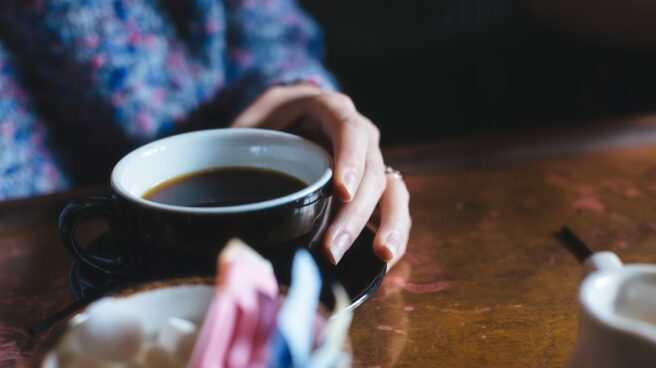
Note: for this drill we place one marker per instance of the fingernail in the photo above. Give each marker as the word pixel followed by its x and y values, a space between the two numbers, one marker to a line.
pixel 392 243
pixel 349 182
pixel 339 247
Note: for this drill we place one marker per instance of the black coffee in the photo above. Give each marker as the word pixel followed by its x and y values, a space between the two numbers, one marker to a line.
pixel 228 186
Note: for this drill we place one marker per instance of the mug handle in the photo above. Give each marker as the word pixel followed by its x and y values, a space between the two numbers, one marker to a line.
pixel 77 211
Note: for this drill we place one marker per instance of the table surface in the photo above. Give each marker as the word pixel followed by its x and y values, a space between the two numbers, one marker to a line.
pixel 484 282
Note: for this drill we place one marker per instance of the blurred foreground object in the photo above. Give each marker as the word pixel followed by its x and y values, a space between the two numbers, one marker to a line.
pixel 246 322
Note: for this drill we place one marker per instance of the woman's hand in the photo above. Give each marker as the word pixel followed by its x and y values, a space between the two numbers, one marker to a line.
pixel 359 176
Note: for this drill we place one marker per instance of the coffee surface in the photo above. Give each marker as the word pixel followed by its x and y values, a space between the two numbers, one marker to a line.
pixel 226 186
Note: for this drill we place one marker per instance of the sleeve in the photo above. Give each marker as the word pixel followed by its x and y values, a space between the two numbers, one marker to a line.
pixel 272 42
pixel 27 166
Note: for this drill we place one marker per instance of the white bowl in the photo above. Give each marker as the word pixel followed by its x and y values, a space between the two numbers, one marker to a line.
pixel 151 307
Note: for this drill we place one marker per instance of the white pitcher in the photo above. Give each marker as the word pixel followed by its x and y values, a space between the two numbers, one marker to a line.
pixel 617 315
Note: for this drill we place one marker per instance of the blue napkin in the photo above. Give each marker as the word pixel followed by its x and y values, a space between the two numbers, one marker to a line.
pixel 292 342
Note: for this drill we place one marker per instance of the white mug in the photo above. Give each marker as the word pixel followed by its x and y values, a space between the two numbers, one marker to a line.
pixel 617 314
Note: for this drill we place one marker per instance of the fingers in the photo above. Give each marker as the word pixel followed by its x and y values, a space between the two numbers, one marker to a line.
pixel 350 132
pixel 353 216
pixel 352 135
pixel 276 108
pixel 392 237
pixel 350 150
pixel 358 178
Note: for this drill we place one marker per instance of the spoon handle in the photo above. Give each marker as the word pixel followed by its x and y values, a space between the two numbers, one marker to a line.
pixel 64 312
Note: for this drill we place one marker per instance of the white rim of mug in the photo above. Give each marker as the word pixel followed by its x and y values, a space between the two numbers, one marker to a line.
pixel 627 325
pixel 250 207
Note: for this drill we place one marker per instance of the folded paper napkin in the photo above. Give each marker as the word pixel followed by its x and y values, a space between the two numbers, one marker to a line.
pixel 246 326
pixel 241 318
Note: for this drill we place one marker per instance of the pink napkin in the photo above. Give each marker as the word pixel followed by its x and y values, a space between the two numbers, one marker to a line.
pixel 242 314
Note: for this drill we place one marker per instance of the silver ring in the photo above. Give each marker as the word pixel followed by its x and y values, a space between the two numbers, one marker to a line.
pixel 396 174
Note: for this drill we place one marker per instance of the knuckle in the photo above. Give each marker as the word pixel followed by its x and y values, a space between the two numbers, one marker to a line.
pixel 336 100
pixel 378 175
pixel 342 109
pixel 404 193
pixel 372 131
pixel 359 216
pixel 320 100
pixel 276 91
pixel 376 171
pixel 343 100
pixel 375 132
pixel 351 165
pixel 401 222
pixel 347 119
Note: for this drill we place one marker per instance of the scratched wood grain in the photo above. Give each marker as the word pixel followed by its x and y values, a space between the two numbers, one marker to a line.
pixel 484 282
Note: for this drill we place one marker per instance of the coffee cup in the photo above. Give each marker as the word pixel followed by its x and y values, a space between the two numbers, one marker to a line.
pixel 155 238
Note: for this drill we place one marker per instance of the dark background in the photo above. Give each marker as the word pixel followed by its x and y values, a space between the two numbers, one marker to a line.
pixel 425 69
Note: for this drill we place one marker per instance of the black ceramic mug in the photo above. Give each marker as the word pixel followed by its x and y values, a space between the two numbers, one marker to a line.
pixel 161 239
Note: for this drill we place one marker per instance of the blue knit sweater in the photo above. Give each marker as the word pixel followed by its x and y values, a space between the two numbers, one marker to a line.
pixel 82 81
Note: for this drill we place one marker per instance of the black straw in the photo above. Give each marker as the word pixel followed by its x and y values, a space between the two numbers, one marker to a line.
pixel 576 246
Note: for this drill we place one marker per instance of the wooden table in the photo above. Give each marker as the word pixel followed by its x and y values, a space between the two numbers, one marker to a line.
pixel 484 282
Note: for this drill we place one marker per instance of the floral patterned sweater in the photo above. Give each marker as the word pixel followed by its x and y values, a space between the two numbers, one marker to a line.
pixel 83 81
